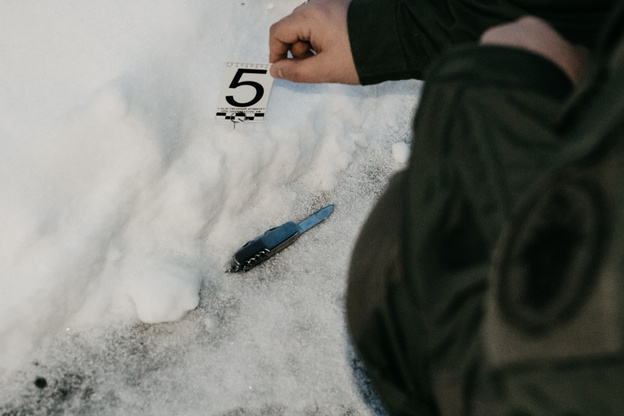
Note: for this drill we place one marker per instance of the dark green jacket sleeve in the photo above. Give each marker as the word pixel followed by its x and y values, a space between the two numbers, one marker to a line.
pixel 397 39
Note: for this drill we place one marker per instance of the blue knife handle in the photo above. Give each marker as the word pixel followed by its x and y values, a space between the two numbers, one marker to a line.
pixel 264 247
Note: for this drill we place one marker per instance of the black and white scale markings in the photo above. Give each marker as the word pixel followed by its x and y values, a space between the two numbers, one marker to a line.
pixel 240 116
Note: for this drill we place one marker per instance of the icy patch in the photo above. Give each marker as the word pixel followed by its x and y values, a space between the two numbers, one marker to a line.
pixel 161 291
pixel 401 152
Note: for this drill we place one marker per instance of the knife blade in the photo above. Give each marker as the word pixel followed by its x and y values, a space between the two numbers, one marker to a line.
pixel 274 240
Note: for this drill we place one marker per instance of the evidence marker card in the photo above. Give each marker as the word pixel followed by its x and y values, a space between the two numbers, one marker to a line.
pixel 244 92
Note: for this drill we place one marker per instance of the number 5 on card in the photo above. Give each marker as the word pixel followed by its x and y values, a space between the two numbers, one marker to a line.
pixel 244 92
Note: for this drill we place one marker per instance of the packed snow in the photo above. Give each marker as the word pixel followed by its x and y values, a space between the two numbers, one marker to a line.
pixel 122 198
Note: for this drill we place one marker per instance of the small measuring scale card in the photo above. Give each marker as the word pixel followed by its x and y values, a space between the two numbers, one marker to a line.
pixel 244 92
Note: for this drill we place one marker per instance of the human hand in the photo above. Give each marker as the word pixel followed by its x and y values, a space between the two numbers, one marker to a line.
pixel 535 35
pixel 316 35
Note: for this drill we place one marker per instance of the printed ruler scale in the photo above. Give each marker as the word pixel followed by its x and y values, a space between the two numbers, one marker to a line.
pixel 245 92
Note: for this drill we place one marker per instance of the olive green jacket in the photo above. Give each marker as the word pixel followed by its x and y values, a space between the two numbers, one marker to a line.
pixel 490 276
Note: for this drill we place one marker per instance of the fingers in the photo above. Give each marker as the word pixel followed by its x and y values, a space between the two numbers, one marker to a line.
pixel 284 34
pixel 316 36
pixel 291 34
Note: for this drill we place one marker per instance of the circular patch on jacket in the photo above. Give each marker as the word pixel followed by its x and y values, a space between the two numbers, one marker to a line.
pixel 551 255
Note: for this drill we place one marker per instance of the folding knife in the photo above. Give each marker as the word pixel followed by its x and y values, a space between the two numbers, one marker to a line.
pixel 273 241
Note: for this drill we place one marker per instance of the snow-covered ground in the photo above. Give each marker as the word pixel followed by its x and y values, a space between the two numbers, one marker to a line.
pixel 121 199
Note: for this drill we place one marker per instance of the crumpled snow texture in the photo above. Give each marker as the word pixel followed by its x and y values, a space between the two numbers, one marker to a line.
pixel 122 198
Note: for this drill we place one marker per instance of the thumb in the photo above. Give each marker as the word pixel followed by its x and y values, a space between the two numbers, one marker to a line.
pixel 308 70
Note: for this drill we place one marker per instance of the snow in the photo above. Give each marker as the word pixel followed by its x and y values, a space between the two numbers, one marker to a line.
pixel 401 152
pixel 122 198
